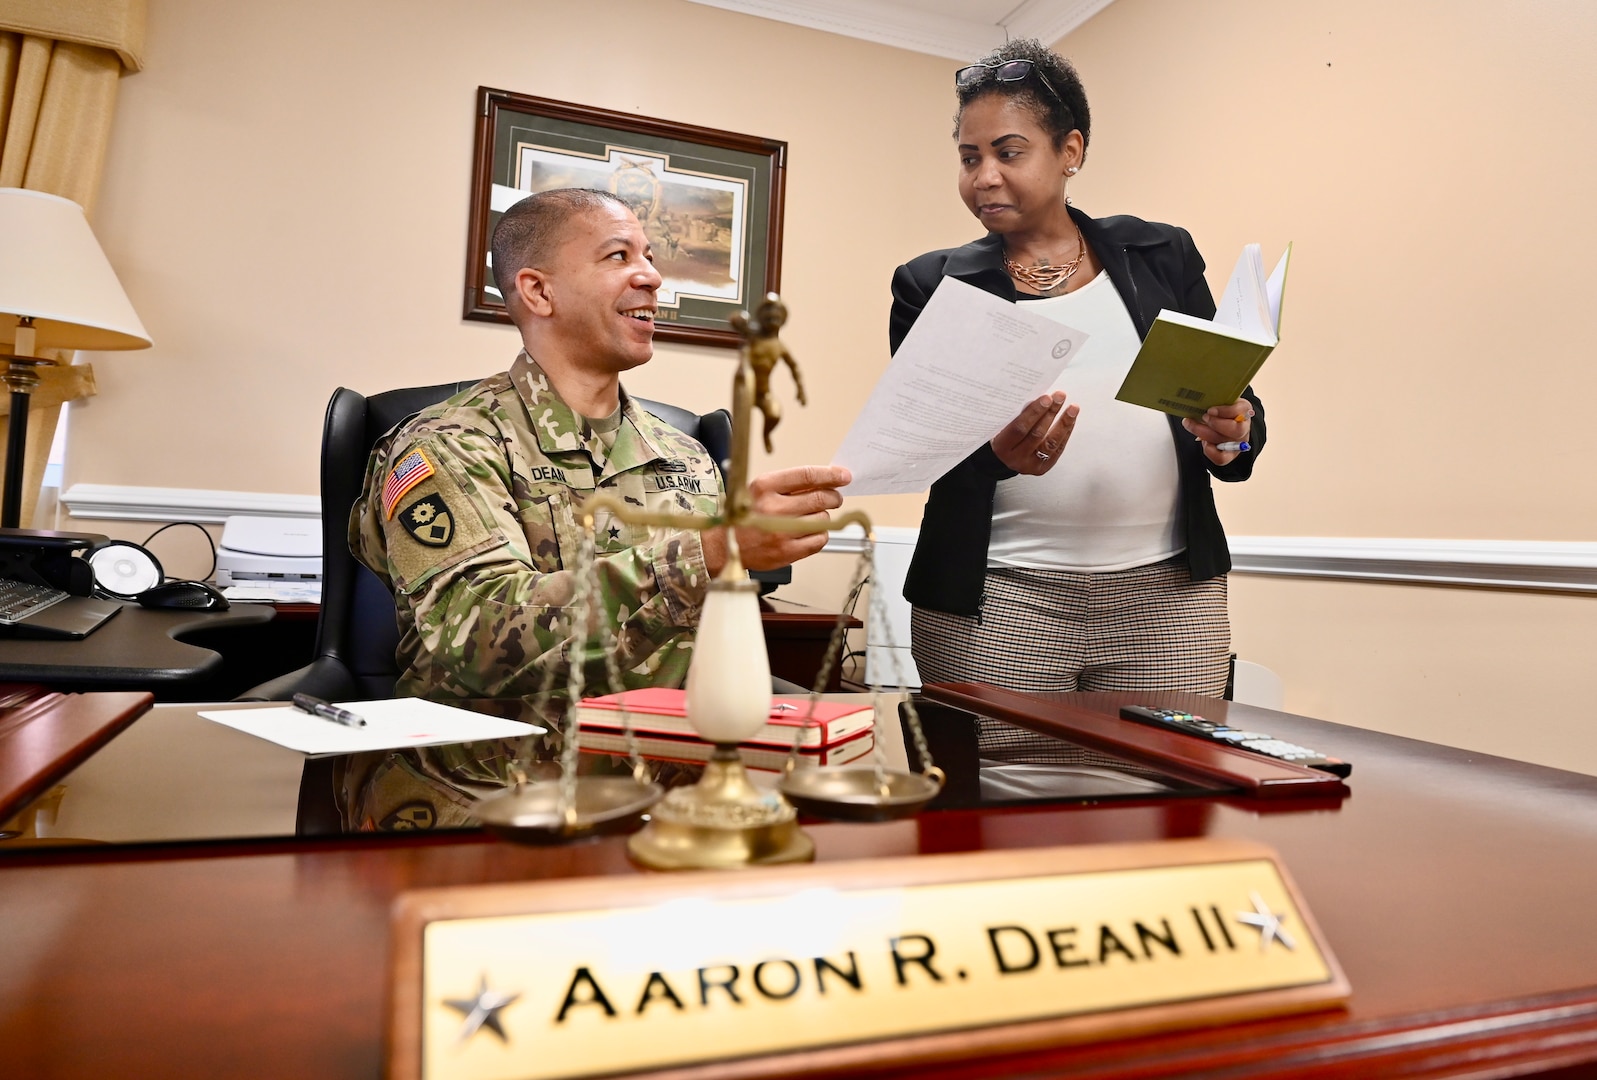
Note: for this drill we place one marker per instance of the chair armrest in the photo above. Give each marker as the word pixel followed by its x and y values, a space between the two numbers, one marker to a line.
pixel 323 677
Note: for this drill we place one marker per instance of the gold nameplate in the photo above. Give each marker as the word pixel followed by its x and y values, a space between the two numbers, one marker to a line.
pixel 631 975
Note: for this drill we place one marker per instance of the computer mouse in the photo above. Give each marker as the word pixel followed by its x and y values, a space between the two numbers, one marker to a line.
pixel 192 595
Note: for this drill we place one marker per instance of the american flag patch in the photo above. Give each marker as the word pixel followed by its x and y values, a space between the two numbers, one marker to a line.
pixel 412 469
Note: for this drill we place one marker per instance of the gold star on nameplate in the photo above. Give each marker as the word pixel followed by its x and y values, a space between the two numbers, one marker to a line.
pixel 482 1011
pixel 1267 923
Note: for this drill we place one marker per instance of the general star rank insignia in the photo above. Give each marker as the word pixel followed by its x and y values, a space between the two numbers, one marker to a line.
pixel 481 1010
pixel 1267 923
pixel 429 521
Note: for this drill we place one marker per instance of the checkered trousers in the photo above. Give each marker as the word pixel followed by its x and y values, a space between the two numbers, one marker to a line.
pixel 1146 628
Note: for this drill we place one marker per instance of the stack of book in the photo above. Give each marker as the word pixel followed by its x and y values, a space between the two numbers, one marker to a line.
pixel 834 733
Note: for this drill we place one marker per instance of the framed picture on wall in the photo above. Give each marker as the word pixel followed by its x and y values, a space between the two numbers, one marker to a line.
pixel 710 202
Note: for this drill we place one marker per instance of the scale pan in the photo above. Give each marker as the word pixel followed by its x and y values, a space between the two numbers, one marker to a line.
pixel 852 794
pixel 531 814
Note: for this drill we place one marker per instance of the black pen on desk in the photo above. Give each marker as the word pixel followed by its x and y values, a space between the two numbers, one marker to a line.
pixel 327 711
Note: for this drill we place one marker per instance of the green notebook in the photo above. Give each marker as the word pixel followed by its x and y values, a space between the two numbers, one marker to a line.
pixel 1187 365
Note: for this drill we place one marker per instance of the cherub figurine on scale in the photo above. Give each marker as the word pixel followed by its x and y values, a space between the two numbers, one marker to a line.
pixel 764 349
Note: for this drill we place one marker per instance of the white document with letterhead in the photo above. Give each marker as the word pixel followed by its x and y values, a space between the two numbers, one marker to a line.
pixel 966 368
pixel 393 724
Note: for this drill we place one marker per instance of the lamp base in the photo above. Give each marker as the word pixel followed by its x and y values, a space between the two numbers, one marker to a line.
pixel 20 379
pixel 721 823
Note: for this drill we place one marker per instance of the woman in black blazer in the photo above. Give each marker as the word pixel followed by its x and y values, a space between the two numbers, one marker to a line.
pixel 1080 549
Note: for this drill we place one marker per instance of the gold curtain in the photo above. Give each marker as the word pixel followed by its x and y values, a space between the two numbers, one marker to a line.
pixel 60 65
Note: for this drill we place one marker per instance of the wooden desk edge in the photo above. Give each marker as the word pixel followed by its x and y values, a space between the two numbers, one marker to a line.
pixel 1258 776
pixel 43 739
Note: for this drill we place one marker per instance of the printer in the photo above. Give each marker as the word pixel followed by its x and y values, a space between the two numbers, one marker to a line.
pixel 258 552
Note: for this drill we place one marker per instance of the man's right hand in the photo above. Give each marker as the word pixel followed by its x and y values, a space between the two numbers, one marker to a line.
pixel 805 492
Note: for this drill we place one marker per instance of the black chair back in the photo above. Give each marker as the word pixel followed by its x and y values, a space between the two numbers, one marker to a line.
pixel 357 634
pixel 357 628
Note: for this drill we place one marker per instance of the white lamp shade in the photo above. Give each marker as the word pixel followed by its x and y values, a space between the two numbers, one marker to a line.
pixel 52 269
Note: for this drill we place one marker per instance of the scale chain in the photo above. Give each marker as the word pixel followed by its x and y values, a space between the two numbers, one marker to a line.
pixel 834 647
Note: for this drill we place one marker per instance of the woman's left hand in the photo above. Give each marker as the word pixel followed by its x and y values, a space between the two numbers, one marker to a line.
pixel 1223 431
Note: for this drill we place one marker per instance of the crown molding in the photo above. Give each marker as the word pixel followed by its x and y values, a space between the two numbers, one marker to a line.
pixel 921 31
pixel 1050 20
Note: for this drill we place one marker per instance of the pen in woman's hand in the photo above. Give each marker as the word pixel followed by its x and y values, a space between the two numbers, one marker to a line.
pixel 327 711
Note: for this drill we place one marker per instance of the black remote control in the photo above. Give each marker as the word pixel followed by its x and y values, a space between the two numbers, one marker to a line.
pixel 1256 741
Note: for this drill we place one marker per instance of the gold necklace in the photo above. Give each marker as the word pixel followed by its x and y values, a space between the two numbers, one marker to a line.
pixel 1045 278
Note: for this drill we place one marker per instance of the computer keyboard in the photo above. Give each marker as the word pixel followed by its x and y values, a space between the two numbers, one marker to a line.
pixel 19 599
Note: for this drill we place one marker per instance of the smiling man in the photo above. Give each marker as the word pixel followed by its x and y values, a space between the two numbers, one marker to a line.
pixel 469 509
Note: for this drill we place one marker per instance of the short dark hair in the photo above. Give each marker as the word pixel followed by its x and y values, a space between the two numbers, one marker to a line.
pixel 530 231
pixel 1058 115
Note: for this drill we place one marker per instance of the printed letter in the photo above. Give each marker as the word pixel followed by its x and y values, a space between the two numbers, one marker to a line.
pixel 595 996
pixel 900 961
pixel 1030 944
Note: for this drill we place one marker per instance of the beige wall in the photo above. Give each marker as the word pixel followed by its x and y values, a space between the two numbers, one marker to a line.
pixel 285 200
pixel 1432 160
pixel 1499 672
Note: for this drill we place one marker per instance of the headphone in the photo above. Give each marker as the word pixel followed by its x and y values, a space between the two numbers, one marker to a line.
pixel 123 570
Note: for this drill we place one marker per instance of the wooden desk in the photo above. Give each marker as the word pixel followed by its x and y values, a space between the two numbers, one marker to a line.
pixel 1455 888
pixel 137 649
pixel 796 638
pixel 44 735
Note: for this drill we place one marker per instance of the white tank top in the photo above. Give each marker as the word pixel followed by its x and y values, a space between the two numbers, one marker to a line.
pixel 1112 500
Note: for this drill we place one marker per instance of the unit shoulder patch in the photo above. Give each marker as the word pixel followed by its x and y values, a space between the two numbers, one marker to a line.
pixel 429 521
pixel 436 525
pixel 413 816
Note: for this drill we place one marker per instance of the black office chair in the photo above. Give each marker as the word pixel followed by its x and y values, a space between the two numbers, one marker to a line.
pixel 358 633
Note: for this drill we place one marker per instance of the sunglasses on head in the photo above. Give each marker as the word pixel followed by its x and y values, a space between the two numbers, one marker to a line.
pixel 1008 71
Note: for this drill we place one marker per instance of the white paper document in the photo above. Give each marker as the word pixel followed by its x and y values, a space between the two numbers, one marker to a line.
pixel 966 368
pixel 390 725
pixel 282 592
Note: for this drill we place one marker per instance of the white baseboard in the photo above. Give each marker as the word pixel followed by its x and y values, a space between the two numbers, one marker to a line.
pixel 1535 565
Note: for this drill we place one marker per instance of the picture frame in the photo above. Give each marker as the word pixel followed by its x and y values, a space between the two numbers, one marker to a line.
pixel 710 201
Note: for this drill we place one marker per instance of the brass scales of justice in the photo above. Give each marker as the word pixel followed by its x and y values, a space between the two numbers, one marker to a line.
pixel 724 820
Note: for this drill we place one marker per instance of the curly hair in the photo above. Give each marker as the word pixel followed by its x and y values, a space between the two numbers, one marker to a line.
pixel 1059 113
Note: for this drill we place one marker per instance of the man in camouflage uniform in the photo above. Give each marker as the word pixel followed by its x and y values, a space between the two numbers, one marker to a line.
pixel 469 508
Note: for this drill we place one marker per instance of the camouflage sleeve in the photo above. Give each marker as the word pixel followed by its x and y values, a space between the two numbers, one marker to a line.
pixel 488 577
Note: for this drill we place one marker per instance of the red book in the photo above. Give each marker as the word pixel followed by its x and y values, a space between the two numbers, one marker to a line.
pixel 762 758
pixel 660 711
